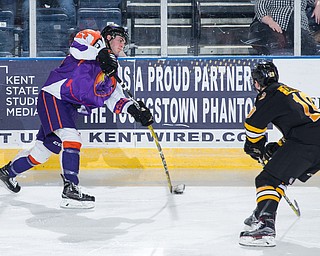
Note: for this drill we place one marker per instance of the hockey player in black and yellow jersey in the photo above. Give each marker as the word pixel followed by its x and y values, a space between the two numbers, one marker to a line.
pixel 296 156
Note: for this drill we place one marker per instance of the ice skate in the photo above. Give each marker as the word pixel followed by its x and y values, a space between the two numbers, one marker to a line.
pixel 10 182
pixel 252 221
pixel 264 234
pixel 73 198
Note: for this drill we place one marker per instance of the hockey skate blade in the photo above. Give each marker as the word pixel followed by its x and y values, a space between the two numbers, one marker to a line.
pixel 264 241
pixel 74 204
pixel 178 189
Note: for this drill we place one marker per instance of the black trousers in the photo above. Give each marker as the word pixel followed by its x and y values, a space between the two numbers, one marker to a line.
pixel 293 161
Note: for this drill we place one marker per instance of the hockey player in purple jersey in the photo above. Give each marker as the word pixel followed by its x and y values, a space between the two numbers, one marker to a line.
pixel 82 82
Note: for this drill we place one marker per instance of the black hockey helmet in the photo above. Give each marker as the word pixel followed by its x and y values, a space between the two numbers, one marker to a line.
pixel 265 73
pixel 115 30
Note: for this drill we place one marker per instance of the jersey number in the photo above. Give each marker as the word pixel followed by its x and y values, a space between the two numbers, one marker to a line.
pixel 309 108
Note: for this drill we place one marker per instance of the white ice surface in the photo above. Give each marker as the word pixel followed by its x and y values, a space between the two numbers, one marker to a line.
pixel 149 221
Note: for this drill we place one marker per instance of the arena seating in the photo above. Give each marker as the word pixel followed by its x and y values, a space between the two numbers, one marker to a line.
pixel 203 27
pixel 100 3
pixel 53 32
pixel 7 42
pixel 57 40
pixel 98 18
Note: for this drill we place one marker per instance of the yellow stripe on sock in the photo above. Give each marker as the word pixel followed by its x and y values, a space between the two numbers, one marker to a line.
pixel 268 197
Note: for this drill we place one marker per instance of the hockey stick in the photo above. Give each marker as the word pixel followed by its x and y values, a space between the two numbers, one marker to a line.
pixel 295 206
pixel 178 189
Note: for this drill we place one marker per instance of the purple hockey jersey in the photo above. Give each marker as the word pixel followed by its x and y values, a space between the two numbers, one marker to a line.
pixel 82 82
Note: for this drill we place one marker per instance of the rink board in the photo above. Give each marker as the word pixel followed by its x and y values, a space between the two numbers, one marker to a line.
pixel 199 107
pixel 149 158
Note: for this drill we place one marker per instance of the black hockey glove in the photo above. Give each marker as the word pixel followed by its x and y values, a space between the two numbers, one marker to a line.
pixel 255 150
pixel 271 148
pixel 108 62
pixel 142 114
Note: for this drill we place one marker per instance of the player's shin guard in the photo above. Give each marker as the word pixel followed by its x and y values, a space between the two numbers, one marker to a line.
pixel 70 161
pixel 11 170
pixel 72 197
pixel 23 164
pixel 252 221
pixel 23 161
pixel 268 199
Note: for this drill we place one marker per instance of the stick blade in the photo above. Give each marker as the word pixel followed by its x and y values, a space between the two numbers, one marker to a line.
pixel 178 189
pixel 297 208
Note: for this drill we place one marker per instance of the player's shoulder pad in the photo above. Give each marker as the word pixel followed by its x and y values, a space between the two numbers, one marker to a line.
pixel 89 36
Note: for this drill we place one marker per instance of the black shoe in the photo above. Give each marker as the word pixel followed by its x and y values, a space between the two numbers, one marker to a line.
pixel 72 197
pixel 10 182
pixel 264 234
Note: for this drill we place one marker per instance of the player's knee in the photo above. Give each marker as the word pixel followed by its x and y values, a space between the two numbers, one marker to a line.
pixel 266 179
pixel 53 143
pixel 71 139
pixel 39 153
pixel 69 135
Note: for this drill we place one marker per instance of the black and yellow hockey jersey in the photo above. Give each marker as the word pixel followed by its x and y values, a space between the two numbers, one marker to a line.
pixel 290 110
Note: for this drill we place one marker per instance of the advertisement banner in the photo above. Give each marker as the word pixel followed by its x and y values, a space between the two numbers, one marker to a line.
pixel 199 102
